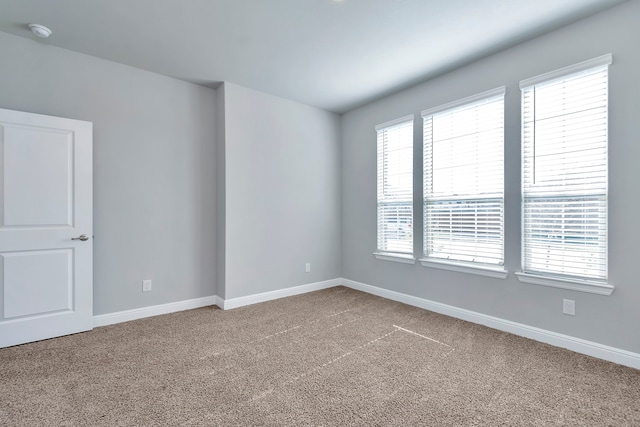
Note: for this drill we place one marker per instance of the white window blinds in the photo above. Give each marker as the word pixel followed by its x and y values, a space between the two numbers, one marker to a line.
pixel 464 179
pixel 395 186
pixel 564 171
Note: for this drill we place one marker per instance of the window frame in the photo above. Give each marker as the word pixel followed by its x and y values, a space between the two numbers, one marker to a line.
pixel 588 284
pixel 384 253
pixel 491 269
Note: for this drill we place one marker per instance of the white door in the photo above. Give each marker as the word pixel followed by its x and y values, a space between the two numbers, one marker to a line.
pixel 46 270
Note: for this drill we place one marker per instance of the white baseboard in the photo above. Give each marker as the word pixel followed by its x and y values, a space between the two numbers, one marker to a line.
pixel 139 313
pixel 280 293
pixel 590 348
pixel 601 351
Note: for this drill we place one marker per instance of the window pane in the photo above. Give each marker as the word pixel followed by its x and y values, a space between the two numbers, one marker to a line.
pixel 395 227
pixel 395 187
pixel 466 230
pixel 464 181
pixel 564 176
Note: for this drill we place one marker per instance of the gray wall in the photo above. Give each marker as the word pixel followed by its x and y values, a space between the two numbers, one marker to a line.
pixel 608 320
pixel 154 192
pixel 282 193
pixel 220 232
pixel 227 192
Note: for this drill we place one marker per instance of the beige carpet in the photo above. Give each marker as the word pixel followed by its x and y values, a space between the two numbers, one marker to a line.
pixel 333 357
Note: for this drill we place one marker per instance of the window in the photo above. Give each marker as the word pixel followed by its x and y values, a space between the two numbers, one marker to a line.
pixel 464 180
pixel 564 172
pixel 395 186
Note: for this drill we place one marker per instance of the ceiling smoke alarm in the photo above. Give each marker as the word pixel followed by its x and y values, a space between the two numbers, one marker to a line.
pixel 40 30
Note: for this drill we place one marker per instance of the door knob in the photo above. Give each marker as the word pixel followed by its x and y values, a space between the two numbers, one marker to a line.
pixel 82 237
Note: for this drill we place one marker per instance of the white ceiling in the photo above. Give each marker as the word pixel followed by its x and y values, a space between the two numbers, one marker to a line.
pixel 331 54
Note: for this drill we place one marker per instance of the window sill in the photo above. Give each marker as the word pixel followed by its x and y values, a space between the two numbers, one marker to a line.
pixel 387 256
pixel 573 285
pixel 495 272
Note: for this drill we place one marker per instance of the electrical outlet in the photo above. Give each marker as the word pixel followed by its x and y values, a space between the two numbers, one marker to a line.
pixel 146 285
pixel 569 307
pixel 307 267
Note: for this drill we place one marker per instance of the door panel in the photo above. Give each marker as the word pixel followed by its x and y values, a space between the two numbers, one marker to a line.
pixel 37 173
pixel 46 276
pixel 37 282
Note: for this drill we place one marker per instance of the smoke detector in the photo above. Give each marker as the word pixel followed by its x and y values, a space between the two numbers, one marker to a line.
pixel 40 30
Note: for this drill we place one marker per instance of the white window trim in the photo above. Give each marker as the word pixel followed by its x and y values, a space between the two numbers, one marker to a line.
pixel 394 122
pixel 565 71
pixel 496 271
pixel 570 284
pixel 405 257
pixel 499 91
pixel 389 256
pixel 564 282
pixel 461 267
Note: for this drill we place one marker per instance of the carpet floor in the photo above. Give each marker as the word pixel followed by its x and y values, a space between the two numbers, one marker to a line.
pixel 328 358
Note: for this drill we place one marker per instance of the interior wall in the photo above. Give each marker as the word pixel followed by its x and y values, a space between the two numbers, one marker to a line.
pixel 608 320
pixel 282 193
pixel 154 167
pixel 220 233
